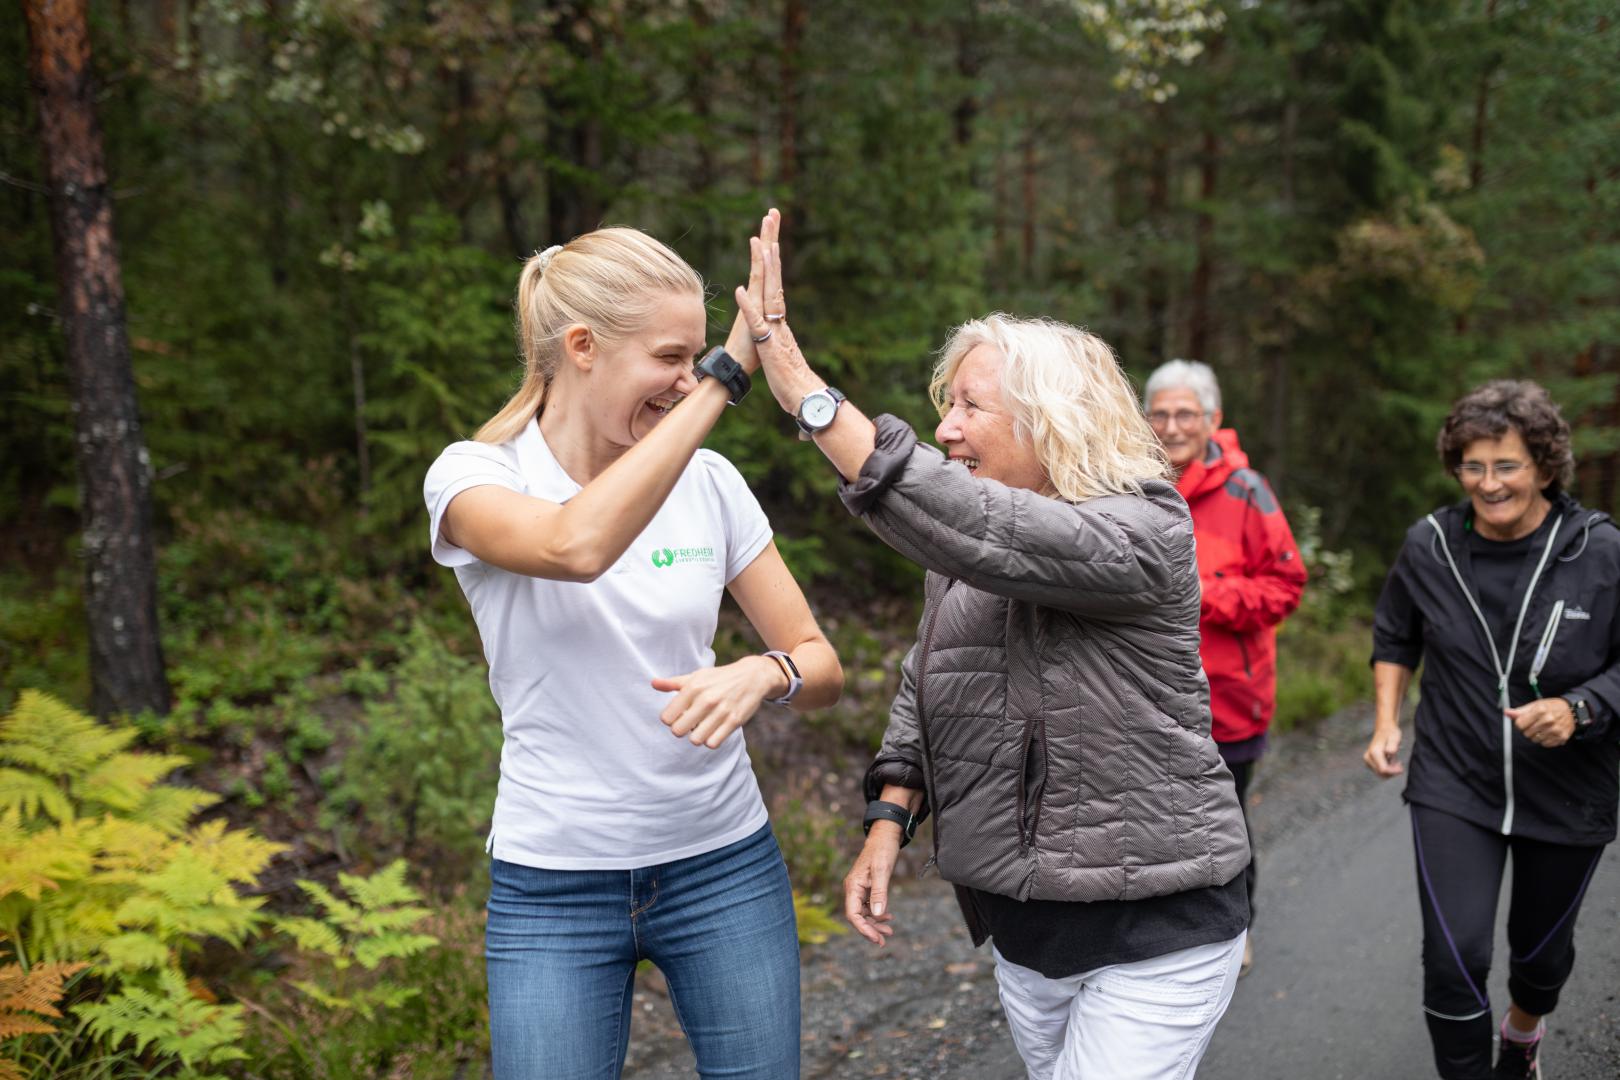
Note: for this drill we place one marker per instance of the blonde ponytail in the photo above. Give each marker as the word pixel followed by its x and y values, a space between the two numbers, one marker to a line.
pixel 611 280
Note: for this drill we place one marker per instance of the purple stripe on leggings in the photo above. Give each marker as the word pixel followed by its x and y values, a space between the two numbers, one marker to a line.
pixel 1440 916
pixel 1579 893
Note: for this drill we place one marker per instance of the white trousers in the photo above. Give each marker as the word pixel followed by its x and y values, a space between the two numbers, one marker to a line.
pixel 1150 1020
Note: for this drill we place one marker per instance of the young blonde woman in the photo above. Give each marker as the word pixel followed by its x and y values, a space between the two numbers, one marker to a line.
pixel 1053 716
pixel 592 539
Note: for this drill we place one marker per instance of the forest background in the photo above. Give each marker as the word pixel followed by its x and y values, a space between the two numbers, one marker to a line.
pixel 1353 209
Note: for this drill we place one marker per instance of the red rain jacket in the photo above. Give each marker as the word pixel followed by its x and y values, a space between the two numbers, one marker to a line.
pixel 1252 576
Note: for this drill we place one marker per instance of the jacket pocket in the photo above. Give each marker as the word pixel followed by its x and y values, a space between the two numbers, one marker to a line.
pixel 1031 783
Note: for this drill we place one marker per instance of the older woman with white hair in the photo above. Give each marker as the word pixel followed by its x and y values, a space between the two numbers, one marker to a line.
pixel 1053 717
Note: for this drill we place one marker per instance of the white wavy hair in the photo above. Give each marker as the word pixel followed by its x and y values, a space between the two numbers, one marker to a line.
pixel 1194 375
pixel 1068 398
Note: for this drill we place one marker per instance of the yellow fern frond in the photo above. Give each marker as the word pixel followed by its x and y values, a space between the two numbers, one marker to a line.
pixel 32 795
pixel 129 850
pixel 48 736
pixel 121 781
pixel 31 863
pixel 237 854
pixel 10 1070
pixel 170 809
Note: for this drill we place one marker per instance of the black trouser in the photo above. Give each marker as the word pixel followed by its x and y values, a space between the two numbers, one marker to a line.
pixel 1460 868
pixel 1243 772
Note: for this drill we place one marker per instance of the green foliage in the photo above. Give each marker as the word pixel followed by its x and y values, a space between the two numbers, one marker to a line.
pixel 817 921
pixel 816 845
pixel 1322 649
pixel 102 865
pixel 420 775
pixel 440 1033
pixel 369 927
pixel 170 1020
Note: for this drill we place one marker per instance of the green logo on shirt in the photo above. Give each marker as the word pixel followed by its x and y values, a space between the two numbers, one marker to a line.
pixel 662 557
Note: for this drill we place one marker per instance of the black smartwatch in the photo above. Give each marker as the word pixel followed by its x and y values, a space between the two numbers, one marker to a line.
pixel 719 364
pixel 878 810
pixel 1583 716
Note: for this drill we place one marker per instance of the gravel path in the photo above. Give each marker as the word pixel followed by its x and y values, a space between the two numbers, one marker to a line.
pixel 1334 992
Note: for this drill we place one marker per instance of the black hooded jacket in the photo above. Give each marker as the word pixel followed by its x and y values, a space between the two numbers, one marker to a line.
pixel 1469 759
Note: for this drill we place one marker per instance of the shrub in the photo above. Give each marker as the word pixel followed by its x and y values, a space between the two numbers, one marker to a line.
pixel 422 773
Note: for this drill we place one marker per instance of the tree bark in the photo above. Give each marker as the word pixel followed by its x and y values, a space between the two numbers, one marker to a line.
pixel 126 656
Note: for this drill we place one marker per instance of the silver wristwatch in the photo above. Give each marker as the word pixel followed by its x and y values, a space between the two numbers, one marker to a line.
pixel 818 410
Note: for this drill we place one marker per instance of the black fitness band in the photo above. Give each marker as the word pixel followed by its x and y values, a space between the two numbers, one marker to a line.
pixel 878 810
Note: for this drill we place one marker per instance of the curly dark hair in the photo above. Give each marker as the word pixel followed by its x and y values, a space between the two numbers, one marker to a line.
pixel 1491 410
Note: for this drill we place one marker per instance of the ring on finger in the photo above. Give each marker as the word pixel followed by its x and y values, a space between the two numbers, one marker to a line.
pixel 766 336
pixel 778 317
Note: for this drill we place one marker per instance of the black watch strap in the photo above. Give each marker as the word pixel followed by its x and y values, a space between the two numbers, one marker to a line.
pixel 719 364
pixel 878 810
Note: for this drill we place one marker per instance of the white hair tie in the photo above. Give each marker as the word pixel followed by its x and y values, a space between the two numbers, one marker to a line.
pixel 547 255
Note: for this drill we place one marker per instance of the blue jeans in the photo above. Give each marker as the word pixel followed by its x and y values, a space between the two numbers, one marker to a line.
pixel 561 948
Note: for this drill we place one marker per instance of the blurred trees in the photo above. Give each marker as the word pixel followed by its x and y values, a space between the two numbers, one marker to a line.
pixel 1353 208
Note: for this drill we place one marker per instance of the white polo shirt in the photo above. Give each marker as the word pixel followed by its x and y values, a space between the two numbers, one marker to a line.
pixel 590 779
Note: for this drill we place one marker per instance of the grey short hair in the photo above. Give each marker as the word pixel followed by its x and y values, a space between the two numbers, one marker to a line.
pixel 1194 375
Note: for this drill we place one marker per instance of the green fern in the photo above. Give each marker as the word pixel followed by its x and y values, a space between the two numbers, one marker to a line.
pixel 48 736
pixel 100 864
pixel 368 927
pixel 165 1015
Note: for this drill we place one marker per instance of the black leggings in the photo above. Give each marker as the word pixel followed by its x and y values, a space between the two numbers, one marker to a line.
pixel 1242 773
pixel 1460 868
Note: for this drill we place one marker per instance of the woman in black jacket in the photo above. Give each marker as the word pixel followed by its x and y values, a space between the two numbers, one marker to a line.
pixel 1508 599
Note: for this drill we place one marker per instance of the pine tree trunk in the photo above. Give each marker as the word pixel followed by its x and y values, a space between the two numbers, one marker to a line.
pixel 126 656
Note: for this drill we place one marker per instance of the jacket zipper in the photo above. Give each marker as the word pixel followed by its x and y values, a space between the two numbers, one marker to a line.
pixel 1544 649
pixel 1503 673
pixel 922 721
pixel 1243 651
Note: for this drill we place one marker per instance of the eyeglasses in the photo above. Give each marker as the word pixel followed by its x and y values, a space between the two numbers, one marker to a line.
pixel 1181 418
pixel 1471 472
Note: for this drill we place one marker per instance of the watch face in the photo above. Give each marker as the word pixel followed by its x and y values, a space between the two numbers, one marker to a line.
pixel 818 410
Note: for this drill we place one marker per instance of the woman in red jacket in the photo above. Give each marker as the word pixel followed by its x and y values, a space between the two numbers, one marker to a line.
pixel 1248 564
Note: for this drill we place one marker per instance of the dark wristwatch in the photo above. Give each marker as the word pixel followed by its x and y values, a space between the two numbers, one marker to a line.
pixel 1583 715
pixel 878 810
pixel 718 364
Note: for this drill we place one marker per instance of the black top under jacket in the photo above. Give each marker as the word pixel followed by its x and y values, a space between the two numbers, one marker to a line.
pixel 1468 758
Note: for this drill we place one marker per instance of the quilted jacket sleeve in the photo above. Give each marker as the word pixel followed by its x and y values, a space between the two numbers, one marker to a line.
pixel 900 759
pixel 1113 557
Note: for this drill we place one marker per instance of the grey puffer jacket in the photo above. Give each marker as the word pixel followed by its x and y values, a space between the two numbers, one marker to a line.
pixel 1054 708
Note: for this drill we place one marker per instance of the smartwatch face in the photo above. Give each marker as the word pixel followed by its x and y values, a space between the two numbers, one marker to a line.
pixel 819 410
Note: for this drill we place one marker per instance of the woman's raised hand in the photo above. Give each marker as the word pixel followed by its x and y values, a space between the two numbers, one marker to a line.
pixel 743 341
pixel 765 310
